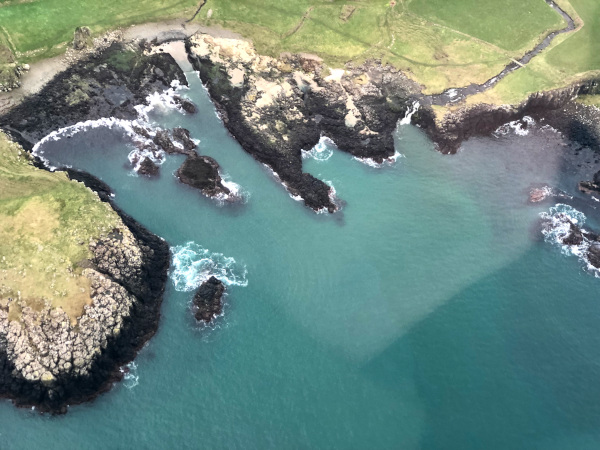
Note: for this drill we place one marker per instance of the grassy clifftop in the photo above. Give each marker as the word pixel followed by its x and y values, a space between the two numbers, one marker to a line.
pixel 46 223
pixel 440 43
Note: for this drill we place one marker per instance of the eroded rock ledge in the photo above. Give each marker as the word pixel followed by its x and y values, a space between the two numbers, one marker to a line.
pixel 557 108
pixel 49 361
pixel 276 108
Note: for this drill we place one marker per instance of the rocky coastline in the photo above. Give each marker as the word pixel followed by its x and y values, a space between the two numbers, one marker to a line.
pixel 109 83
pixel 557 108
pixel 276 108
pixel 49 362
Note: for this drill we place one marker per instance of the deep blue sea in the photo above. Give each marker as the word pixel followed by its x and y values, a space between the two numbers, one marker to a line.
pixel 430 313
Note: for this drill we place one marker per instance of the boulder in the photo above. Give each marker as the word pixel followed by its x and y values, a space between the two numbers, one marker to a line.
pixel 148 167
pixel 208 302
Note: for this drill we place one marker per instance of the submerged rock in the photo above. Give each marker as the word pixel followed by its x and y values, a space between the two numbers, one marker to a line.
pixel 202 172
pixel 590 187
pixel 208 300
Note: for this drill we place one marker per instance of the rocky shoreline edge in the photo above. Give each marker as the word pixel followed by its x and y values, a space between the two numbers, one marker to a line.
pixel 275 108
pixel 129 273
pixel 278 107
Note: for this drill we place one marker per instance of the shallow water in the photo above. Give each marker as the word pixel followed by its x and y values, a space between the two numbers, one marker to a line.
pixel 429 313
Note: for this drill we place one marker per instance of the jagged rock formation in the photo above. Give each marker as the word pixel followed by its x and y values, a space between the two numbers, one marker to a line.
pixel 277 107
pixel 557 108
pixel 208 300
pixel 82 38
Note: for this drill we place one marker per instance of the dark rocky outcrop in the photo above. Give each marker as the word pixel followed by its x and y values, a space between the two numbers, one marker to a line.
pixel 556 108
pixel 590 187
pixel 82 38
pixel 186 105
pixel 277 108
pixel 148 167
pixel 202 172
pixel 207 302
pixel 183 137
pixel 575 236
pixel 107 84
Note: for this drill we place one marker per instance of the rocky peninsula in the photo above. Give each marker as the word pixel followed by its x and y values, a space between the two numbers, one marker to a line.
pixel 68 325
pixel 276 108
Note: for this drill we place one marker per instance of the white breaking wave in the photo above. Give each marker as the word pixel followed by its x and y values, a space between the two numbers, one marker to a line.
pixel 164 100
pixel 161 100
pixel 193 265
pixel 130 375
pixel 320 152
pixel 557 226
pixel 237 193
pixel 409 113
pixel 516 126
pixel 386 161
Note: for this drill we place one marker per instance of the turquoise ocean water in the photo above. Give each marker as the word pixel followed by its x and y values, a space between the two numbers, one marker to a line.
pixel 429 313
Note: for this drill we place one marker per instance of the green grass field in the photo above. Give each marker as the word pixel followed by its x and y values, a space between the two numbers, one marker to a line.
pixel 42 28
pixel 509 24
pixel 572 57
pixel 440 43
pixel 46 223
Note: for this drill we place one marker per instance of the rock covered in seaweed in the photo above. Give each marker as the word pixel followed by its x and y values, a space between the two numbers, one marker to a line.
pixel 207 301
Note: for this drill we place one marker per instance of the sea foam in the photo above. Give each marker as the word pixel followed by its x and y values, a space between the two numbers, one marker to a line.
pixel 320 152
pixel 158 100
pixel 194 264
pixel 557 226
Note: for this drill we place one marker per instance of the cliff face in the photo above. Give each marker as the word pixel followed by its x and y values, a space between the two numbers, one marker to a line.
pixel 276 108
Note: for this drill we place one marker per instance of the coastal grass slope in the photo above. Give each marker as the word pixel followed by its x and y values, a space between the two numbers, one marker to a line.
pixel 46 224
pixel 570 58
pixel 439 44
pixel 39 29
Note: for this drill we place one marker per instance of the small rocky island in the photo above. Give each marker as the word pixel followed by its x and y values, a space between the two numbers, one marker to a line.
pixel 207 303
pixel 202 173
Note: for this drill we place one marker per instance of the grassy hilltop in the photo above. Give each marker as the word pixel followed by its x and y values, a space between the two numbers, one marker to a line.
pixel 46 223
